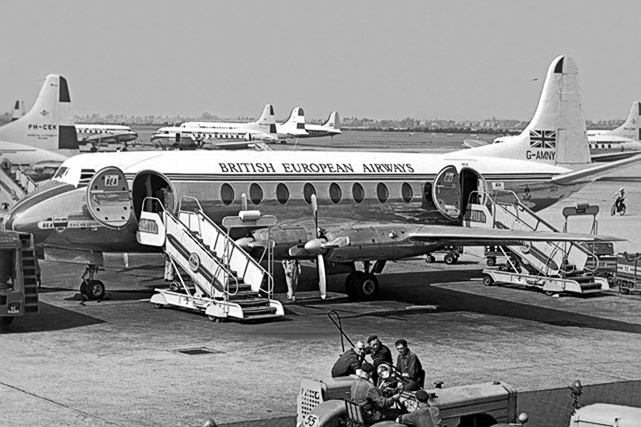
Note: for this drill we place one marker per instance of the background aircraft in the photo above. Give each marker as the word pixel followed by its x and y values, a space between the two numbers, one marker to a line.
pixel 605 145
pixel 18 110
pixel 96 137
pixel 265 124
pixel 330 128
pixel 294 127
pixel 192 138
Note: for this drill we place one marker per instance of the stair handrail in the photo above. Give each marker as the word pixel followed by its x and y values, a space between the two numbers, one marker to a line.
pixel 230 243
pixel 339 325
pixel 226 271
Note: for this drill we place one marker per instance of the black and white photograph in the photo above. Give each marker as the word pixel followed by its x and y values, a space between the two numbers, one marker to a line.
pixel 320 214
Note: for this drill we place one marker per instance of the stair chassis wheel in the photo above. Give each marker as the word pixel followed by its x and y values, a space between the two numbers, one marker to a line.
pixel 92 289
pixel 487 280
pixel 624 289
pixel 490 261
pixel 216 319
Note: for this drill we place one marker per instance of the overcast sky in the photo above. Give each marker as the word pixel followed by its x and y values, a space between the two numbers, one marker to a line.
pixel 424 59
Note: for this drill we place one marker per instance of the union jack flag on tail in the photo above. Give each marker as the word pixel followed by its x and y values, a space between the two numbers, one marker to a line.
pixel 543 139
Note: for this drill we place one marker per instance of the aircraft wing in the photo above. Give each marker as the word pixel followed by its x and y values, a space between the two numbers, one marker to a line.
pixel 611 157
pixel 595 172
pixel 471 143
pixel 466 236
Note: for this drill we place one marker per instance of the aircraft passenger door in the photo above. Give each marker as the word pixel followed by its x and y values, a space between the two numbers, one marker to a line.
pixel 108 198
pixel 447 192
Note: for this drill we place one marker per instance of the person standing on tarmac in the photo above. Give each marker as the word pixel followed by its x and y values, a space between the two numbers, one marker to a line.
pixel 375 407
pixel 349 361
pixel 409 365
pixel 292 273
pixel 425 414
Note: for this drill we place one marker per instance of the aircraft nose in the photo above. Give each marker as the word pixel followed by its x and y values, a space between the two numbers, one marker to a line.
pixel 36 213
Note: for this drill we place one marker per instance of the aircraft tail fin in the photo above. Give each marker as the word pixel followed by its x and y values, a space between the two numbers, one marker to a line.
pixel 557 132
pixel 267 121
pixel 333 121
pixel 18 110
pixel 296 120
pixel 49 123
pixel 631 128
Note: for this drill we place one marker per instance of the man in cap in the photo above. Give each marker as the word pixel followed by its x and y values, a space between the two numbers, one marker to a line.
pixel 425 415
pixel 409 366
pixel 375 407
pixel 349 361
pixel 380 353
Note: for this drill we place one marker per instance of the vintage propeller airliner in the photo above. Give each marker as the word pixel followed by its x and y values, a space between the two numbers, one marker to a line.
pixel 371 207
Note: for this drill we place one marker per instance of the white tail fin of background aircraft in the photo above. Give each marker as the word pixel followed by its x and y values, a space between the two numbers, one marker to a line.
pixel 266 123
pixel 18 110
pixel 49 123
pixel 294 126
pixel 631 128
pixel 557 132
pixel 333 122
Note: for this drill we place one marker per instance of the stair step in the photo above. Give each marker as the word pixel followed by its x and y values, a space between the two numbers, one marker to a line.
pixel 31 309
pixel 258 310
pixel 242 295
pixel 590 286
pixel 262 317
pixel 30 299
pixel 252 302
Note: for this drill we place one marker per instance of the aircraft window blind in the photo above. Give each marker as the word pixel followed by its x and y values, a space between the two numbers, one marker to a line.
pixel 227 194
pixel 308 190
pixel 335 193
pixel 382 193
pixel 282 193
pixel 406 192
pixel 357 192
pixel 255 193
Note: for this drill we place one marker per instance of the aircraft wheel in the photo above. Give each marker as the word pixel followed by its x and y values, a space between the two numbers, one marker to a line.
pixel 124 149
pixel 487 280
pixel 449 258
pixel 93 150
pixel 94 289
pixel 366 287
pixel 490 261
pixel 350 280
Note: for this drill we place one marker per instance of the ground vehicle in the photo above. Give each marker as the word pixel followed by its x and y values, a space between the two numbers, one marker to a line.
pixel 322 403
pixel 18 276
pixel 601 414
pixel 628 272
pixel 451 254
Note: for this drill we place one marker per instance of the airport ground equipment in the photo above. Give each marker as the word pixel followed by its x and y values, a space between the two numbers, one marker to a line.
pixel 14 185
pixel 549 266
pixel 226 282
pixel 18 276
pixel 323 403
pixel 601 414
pixel 451 254
pixel 628 275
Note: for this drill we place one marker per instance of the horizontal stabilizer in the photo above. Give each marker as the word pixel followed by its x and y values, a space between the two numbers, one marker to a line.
pixel 594 173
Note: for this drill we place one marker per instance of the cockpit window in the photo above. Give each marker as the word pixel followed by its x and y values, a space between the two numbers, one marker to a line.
pixel 62 171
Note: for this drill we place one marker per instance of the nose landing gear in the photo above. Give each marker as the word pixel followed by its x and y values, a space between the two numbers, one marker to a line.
pixel 90 288
pixel 363 285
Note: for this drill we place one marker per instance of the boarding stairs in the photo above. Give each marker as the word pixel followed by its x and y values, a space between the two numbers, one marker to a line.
pixel 226 282
pixel 14 185
pixel 553 266
pixel 29 274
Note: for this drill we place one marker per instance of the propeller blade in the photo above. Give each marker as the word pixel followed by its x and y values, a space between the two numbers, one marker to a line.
pixel 315 213
pixel 322 278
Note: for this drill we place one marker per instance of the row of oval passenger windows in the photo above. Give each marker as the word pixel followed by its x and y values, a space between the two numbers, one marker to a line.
pixel 335 193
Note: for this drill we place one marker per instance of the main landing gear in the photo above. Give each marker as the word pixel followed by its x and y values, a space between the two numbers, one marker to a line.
pixel 91 288
pixel 363 285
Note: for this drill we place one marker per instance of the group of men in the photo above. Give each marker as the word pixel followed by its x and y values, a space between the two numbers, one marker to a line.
pixel 366 390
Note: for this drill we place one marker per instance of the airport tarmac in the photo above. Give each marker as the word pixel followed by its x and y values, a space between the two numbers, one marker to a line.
pixel 119 363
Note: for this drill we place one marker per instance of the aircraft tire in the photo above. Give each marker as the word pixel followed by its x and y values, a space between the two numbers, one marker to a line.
pixel 94 289
pixel 349 284
pixel 366 287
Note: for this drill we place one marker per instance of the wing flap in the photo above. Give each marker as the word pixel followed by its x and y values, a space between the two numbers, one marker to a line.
pixel 593 173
